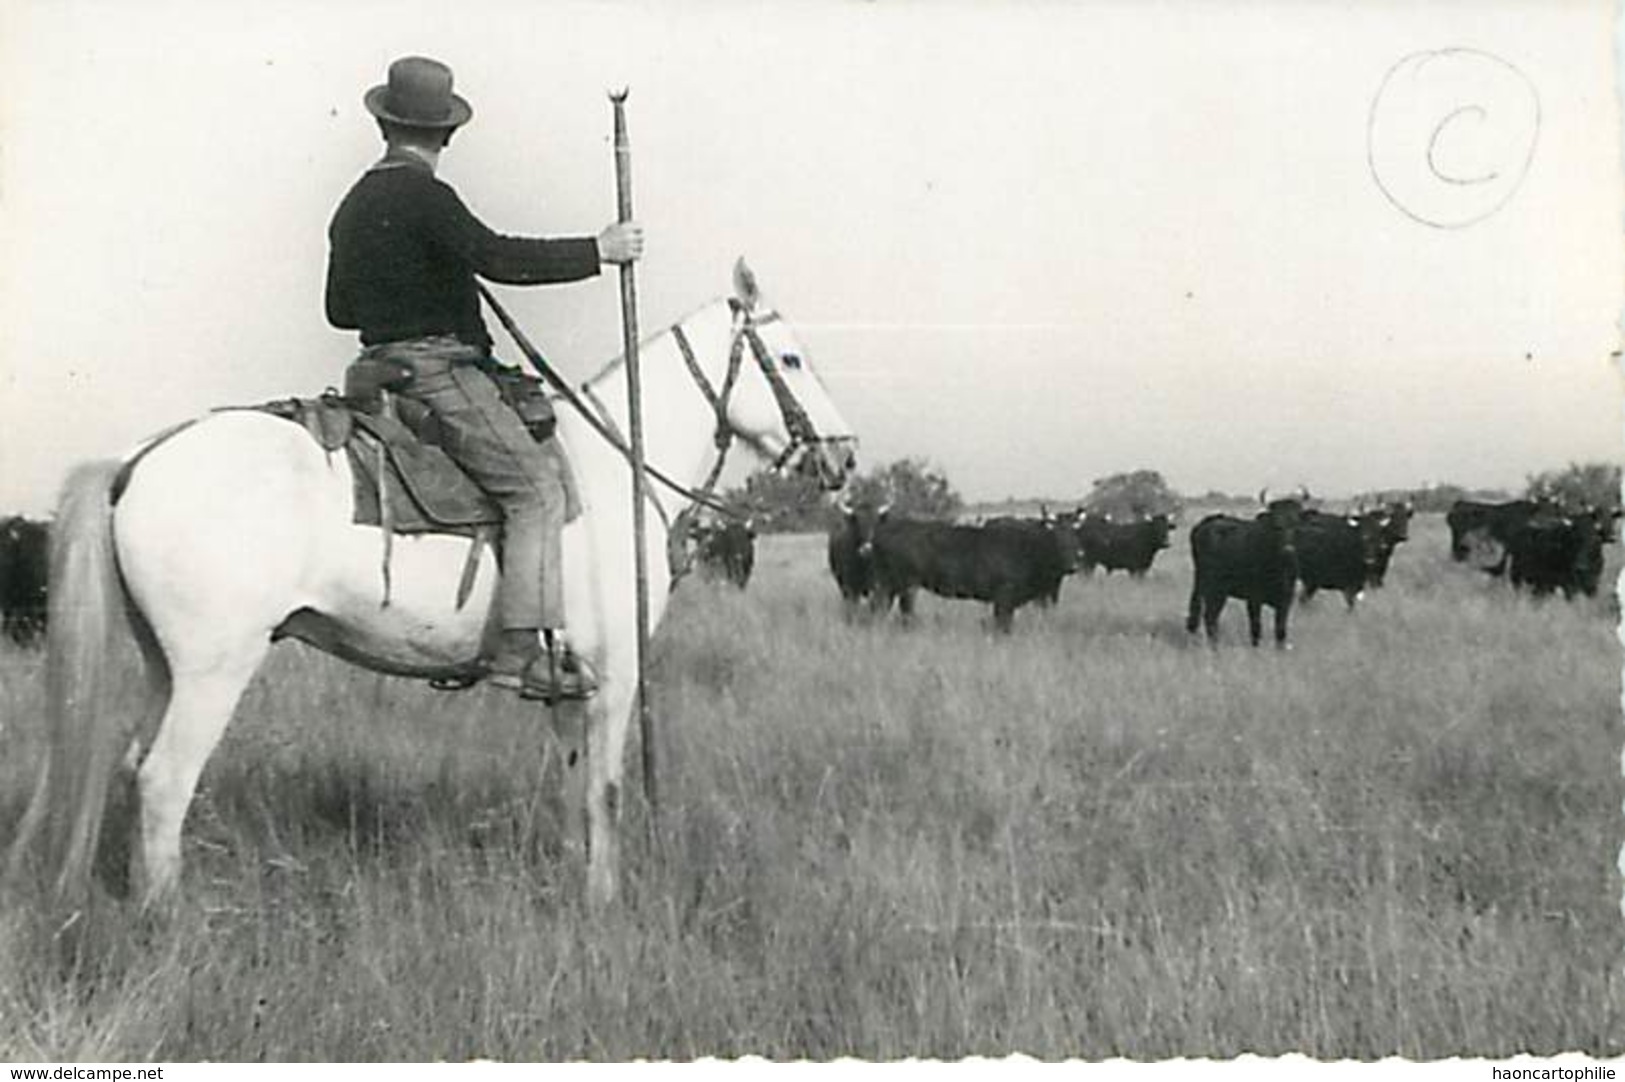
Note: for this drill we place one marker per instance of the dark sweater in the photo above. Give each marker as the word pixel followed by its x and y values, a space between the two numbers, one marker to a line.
pixel 404 250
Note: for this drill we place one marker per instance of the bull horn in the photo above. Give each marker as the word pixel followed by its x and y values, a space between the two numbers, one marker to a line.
pixel 1264 496
pixel 883 509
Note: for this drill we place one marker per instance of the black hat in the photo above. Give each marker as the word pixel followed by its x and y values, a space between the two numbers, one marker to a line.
pixel 418 95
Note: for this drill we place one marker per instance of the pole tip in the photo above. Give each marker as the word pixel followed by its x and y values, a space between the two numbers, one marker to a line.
pixel 618 96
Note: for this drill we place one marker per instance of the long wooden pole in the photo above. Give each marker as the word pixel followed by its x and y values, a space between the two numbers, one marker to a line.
pixel 634 402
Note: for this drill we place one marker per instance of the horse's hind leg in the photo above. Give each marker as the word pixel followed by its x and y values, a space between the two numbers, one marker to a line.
pixel 213 586
pixel 200 705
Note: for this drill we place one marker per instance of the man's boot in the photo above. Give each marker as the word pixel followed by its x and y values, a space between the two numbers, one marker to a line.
pixel 558 673
pixel 517 650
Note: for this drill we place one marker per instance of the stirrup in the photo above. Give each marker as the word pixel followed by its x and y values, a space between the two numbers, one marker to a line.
pixel 453 683
pixel 576 680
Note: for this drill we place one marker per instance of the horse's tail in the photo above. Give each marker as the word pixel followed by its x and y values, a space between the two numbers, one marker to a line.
pixel 88 722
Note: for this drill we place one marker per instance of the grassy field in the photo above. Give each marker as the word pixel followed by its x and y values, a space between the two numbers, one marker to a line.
pixel 1093 838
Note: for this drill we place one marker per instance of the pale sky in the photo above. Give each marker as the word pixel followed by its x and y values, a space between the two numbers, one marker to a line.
pixel 1033 243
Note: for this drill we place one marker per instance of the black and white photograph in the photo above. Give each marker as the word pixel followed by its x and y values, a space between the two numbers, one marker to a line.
pixel 874 530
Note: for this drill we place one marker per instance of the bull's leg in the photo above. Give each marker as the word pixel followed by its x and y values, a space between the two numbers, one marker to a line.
pixel 1350 597
pixel 1281 612
pixel 880 602
pixel 905 604
pixel 1255 620
pixel 1004 614
pixel 1214 605
pixel 1194 615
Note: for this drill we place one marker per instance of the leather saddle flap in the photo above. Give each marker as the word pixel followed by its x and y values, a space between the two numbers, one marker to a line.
pixel 426 490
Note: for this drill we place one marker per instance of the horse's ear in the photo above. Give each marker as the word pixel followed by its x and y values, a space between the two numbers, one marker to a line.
pixel 745 285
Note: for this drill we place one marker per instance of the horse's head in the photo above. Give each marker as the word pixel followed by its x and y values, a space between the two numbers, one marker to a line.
pixel 779 406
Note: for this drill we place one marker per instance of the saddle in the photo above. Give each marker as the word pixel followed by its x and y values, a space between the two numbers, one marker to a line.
pixel 403 482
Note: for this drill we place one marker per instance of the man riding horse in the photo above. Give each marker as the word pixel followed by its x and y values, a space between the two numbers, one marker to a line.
pixel 404 255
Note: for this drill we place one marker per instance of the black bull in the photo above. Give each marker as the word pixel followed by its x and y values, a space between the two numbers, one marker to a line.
pixel 851 560
pixel 1340 553
pixel 1560 552
pixel 1472 522
pixel 1395 520
pixel 24 560
pixel 727 548
pixel 1254 560
pixel 1535 542
pixel 1063 533
pixel 1122 546
pixel 1006 563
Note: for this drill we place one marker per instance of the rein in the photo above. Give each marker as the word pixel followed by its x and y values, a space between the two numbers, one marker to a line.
pixel 796 422
pixel 591 414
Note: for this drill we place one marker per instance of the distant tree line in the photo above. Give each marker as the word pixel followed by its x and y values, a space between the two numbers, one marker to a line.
pixel 779 504
pixel 916 488
pixel 1135 495
pixel 913 487
pixel 1594 483
pixel 1431 498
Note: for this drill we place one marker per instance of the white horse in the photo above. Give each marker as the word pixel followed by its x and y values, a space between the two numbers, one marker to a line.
pixel 238 530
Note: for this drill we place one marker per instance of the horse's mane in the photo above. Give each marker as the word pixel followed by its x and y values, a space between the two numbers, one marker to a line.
pixel 620 358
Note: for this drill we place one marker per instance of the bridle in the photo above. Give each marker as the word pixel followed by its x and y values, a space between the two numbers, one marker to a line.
pixel 797 424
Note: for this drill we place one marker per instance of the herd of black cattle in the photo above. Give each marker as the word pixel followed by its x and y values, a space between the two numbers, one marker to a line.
pixel 1009 562
pixel 879 559
pixel 1263 561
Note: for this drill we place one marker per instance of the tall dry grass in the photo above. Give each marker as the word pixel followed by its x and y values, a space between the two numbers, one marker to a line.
pixel 1093 838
